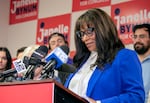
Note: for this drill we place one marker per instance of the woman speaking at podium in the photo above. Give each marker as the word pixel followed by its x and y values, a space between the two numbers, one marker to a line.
pixel 106 71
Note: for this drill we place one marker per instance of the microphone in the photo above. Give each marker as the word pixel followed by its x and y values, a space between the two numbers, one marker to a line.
pixel 8 73
pixel 29 73
pixel 67 68
pixel 37 56
pixel 40 53
pixel 35 60
pixel 19 68
pixel 54 60
pixel 58 55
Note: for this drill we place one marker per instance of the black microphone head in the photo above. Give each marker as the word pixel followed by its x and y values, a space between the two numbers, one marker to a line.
pixel 43 48
pixel 65 49
pixel 40 52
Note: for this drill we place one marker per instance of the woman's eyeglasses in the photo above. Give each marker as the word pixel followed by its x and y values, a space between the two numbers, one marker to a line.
pixel 88 32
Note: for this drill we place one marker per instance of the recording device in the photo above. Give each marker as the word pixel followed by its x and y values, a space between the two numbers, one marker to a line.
pixel 54 60
pixel 37 56
pixel 69 68
pixel 41 52
pixel 34 61
pixel 29 63
pixel 10 75
pixel 59 55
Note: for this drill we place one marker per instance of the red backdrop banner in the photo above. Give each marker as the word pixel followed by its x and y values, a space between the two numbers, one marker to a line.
pixel 86 4
pixel 47 26
pixel 126 15
pixel 23 10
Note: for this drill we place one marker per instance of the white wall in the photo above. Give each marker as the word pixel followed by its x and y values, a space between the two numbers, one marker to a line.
pixel 4 17
pixel 21 34
pixel 48 8
pixel 24 34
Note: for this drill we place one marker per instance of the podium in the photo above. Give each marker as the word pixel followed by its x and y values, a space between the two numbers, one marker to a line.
pixel 42 91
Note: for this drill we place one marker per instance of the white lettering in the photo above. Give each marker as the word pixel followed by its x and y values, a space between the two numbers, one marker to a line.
pixel 83 3
pixel 96 1
pixel 26 15
pixel 142 15
pixel 64 29
pixel 21 3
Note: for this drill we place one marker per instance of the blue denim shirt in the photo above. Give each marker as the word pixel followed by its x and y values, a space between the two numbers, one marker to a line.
pixel 146 76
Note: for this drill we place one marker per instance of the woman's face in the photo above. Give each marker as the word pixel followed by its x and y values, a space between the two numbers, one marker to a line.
pixel 3 61
pixel 88 37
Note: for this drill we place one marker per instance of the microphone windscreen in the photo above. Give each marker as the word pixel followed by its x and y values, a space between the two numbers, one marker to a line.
pixel 67 68
pixel 40 52
pixel 65 49
pixel 43 48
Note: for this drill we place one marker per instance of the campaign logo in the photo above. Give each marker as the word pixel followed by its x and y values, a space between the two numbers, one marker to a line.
pixel 125 18
pixel 23 10
pixel 86 4
pixel 47 26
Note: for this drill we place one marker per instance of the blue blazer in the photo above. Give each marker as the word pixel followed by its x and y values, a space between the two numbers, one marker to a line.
pixel 119 82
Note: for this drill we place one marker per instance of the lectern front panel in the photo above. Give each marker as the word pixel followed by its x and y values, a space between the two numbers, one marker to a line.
pixel 27 93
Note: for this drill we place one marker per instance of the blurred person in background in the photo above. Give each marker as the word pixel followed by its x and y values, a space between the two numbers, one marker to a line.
pixel 20 52
pixel 141 42
pixel 55 40
pixel 5 62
